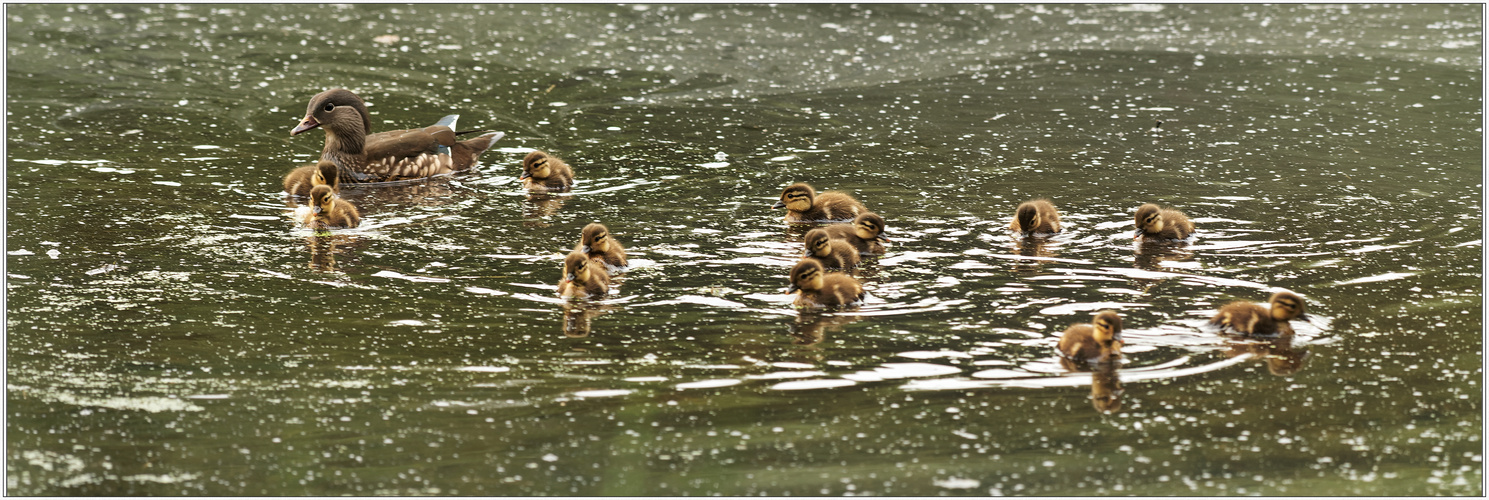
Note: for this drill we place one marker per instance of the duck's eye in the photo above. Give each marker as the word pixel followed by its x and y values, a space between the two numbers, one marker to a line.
pixel 599 237
pixel 328 107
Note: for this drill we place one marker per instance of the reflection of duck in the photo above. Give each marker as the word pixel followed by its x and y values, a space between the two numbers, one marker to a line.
pixel 330 212
pixel 1252 319
pixel 865 234
pixel 803 204
pixel 577 316
pixel 820 288
pixel 596 242
pixel 1279 354
pixel 546 173
pixel 811 328
pixel 1097 342
pixel 581 279
pixel 1161 223
pixel 324 249
pixel 386 156
pixel 299 181
pixel 1034 217
pixel 831 253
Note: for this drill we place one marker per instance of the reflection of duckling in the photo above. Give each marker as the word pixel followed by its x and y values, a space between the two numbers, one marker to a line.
pixel 811 328
pixel 1099 342
pixel 596 242
pixel 1253 319
pixel 581 279
pixel 1106 388
pixel 802 204
pixel 831 253
pixel 823 289
pixel 1279 355
pixel 1036 216
pixel 300 180
pixel 577 316
pixel 544 172
pixel 1162 223
pixel 331 212
pixel 865 234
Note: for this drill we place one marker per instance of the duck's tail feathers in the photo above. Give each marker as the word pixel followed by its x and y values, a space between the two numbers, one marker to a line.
pixel 448 121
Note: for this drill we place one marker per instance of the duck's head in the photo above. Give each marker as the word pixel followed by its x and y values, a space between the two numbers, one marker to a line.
pixel 807 276
pixel 325 173
pixel 1108 328
pixel 1286 306
pixel 320 199
pixel 595 237
pixel 1028 216
pixel 1147 218
pixel 576 267
pixel 817 242
pixel 339 111
pixel 535 164
pixel 869 226
pixel 796 198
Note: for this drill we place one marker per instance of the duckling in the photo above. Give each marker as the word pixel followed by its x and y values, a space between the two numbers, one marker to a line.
pixel 386 156
pixel 802 204
pixel 331 212
pixel 544 172
pixel 1036 216
pixel 831 253
pixel 299 181
pixel 1253 319
pixel 582 278
pixel 823 289
pixel 865 234
pixel 597 242
pixel 1153 222
pixel 1099 342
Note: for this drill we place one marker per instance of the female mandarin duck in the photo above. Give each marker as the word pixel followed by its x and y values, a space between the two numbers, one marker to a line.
pixel 865 235
pixel 544 172
pixel 1035 216
pixel 802 204
pixel 823 289
pixel 1253 319
pixel 583 278
pixel 386 156
pixel 1097 342
pixel 329 212
pixel 1161 223
pixel 830 253
pixel 596 242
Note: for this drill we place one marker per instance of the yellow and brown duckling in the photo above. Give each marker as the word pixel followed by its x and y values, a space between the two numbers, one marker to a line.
pixel 544 172
pixel 583 278
pixel 831 253
pixel 300 180
pixel 820 288
pixel 330 212
pixel 866 234
pixel 386 156
pixel 1035 216
pixel 803 204
pixel 1253 319
pixel 597 242
pixel 1097 342
pixel 1161 223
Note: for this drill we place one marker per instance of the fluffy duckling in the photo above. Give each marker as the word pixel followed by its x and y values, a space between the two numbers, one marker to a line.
pixel 1036 216
pixel 582 278
pixel 544 172
pixel 831 253
pixel 1253 319
pixel 395 155
pixel 802 204
pixel 331 212
pixel 596 242
pixel 866 233
pixel 820 288
pixel 1098 342
pixel 300 180
pixel 1162 223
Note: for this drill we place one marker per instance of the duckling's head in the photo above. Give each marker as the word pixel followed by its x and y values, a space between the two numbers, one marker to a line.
pixel 595 238
pixel 535 164
pixel 320 199
pixel 339 111
pixel 869 226
pixel 796 198
pixel 1108 327
pixel 325 173
pixel 1286 306
pixel 576 267
pixel 818 242
pixel 806 276
pixel 1027 215
pixel 1147 218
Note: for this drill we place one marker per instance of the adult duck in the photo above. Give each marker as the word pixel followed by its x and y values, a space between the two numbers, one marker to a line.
pixel 386 156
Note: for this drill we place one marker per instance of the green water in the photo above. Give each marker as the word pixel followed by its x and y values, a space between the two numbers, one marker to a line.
pixel 171 332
